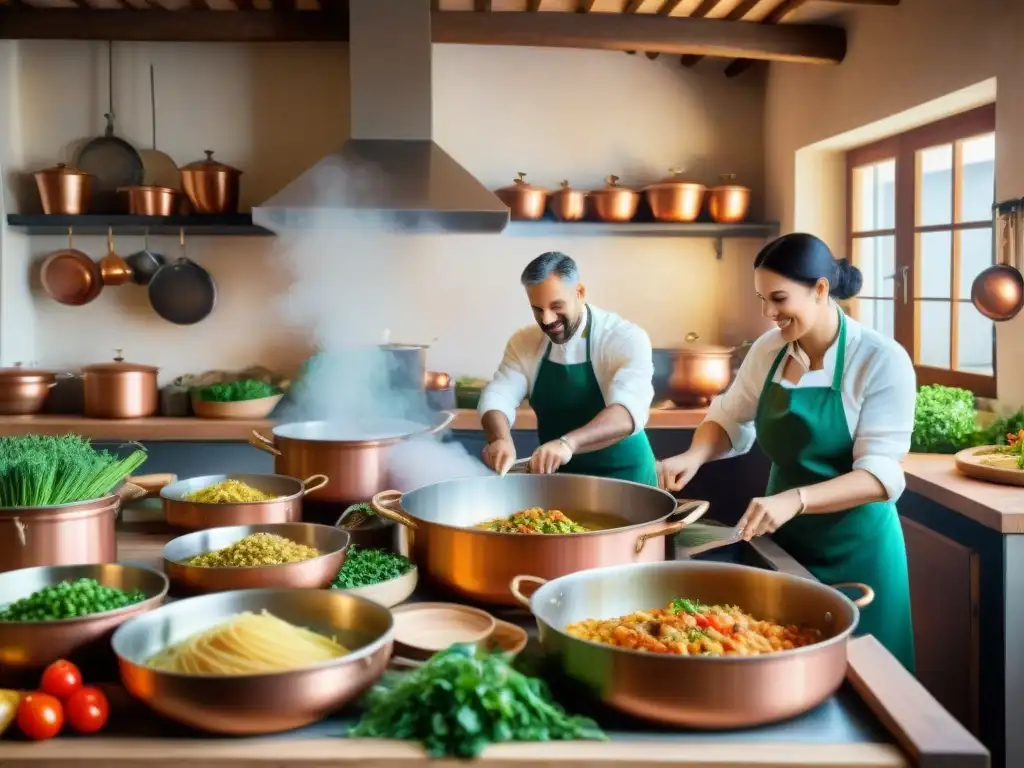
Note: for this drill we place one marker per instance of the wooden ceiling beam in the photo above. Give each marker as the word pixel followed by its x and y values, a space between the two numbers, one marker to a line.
pixel 482 6
pixel 585 6
pixel 736 14
pixel 666 10
pixel 532 6
pixel 775 16
pixel 888 3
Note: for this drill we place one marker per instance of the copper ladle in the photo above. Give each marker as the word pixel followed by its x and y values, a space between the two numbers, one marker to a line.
pixel 113 267
pixel 998 291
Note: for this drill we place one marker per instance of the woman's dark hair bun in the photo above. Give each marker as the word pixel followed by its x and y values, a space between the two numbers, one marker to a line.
pixel 849 280
pixel 807 259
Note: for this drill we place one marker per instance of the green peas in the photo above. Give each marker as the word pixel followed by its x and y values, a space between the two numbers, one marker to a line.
pixel 68 600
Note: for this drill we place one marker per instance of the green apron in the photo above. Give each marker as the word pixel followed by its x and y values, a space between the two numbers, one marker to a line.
pixel 567 397
pixel 805 433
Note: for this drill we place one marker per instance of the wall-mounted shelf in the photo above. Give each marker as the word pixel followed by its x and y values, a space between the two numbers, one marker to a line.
pixel 238 224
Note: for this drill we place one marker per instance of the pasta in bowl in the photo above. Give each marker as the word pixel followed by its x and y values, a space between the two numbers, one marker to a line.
pixel 254 661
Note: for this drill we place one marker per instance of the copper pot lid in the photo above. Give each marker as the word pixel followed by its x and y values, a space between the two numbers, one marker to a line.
pixel 61 169
pixel 119 366
pixel 564 187
pixel 693 346
pixel 676 178
pixel 611 184
pixel 727 183
pixel 148 188
pixel 520 184
pixel 209 165
pixel 26 375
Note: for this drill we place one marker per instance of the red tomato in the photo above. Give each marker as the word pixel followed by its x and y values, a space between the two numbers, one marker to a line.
pixel 61 679
pixel 719 625
pixel 702 620
pixel 40 716
pixel 87 710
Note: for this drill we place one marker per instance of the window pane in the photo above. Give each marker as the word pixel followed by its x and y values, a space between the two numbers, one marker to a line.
pixel 874 196
pixel 878 314
pixel 977 178
pixel 935 185
pixel 875 257
pixel 934 319
pixel 975 249
pixel 935 261
pixel 975 334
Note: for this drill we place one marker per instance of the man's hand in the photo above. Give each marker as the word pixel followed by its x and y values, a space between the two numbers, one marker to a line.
pixel 500 455
pixel 549 457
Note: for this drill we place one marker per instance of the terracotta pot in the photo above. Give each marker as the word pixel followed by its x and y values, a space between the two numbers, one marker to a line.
pixel 693 374
pixel 613 203
pixel 525 201
pixel 120 390
pixel 24 391
pixel 675 200
pixel 64 190
pixel 211 186
pixel 728 203
pixel 568 204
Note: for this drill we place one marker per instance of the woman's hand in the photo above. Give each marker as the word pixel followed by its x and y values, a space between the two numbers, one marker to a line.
pixel 547 459
pixel 768 514
pixel 676 472
pixel 500 455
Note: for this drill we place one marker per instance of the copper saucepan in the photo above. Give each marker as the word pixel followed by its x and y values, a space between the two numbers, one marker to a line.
pixel 478 564
pixel 694 373
pixel 697 691
pixel 24 391
pixel 613 203
pixel 70 276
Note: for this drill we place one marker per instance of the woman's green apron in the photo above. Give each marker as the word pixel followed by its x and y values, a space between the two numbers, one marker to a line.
pixel 567 397
pixel 805 433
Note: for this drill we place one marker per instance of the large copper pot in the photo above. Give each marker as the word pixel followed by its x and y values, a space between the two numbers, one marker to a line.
pixel 64 190
pixel 286 507
pixel 353 456
pixel 728 203
pixel 24 391
pixel 120 390
pixel 568 204
pixel 613 203
pixel 211 186
pixel 525 201
pixel 691 375
pixel 151 201
pixel 478 564
pixel 697 691
pixel 674 199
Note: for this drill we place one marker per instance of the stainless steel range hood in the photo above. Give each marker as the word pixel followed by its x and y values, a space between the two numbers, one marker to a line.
pixel 390 168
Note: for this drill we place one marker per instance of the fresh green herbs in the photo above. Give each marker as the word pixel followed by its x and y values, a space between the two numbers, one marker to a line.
pixel 237 391
pixel 460 701
pixel 685 605
pixel 370 566
pixel 69 600
pixel 945 420
pixel 42 470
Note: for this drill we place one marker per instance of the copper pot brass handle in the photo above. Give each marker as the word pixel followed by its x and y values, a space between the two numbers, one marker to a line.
pixel 314 483
pixel 265 444
pixel 865 599
pixel 696 510
pixel 515 587
pixel 152 484
pixel 380 504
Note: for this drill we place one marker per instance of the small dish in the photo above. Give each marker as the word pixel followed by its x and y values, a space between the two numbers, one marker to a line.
pixel 423 629
pixel 388 593
pixel 506 638
pixel 258 408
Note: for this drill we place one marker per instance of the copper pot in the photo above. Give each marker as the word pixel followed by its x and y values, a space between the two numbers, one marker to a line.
pixel 64 190
pixel 675 200
pixel 354 457
pixel 568 204
pixel 693 374
pixel 120 390
pixel 728 203
pixel 713 692
pixel 614 203
pixel 114 270
pixel 80 532
pixel 478 564
pixel 24 391
pixel 525 201
pixel 151 201
pixel 211 186
pixel 192 515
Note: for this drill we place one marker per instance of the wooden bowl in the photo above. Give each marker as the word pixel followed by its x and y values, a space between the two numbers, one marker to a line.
pixel 423 629
pixel 388 593
pixel 259 408
pixel 506 638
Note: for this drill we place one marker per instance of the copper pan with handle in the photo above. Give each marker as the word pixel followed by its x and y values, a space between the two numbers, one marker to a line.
pixel 632 524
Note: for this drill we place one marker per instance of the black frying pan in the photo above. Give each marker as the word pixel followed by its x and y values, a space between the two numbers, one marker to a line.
pixel 112 161
pixel 182 293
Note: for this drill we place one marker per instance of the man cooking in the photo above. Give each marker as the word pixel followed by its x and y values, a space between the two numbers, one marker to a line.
pixel 588 375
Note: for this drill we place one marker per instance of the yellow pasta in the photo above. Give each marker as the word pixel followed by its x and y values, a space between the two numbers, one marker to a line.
pixel 247 644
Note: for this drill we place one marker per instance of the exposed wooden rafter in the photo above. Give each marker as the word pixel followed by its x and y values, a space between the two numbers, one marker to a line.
pixel 585 6
pixel 777 14
pixel 482 6
pixel 736 14
pixel 666 9
pixel 532 6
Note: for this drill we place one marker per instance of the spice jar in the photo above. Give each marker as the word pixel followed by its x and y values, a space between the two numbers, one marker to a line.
pixel 120 390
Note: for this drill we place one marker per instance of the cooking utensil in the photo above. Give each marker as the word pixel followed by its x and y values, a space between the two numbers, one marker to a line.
pixel 31 645
pixel 998 291
pixel 970 462
pixel 120 390
pixel 423 629
pixel 211 186
pixel 252 704
pixel 699 538
pixel 194 515
pixel 697 691
pixel 390 592
pixel 728 203
pixel 151 201
pixel 507 638
pixel 353 456
pixel 259 408
pixel 24 391
pixel 675 199
pixel 614 203
pixel 113 269
pixel 67 534
pixel 145 263
pixel 159 168
pixel 525 201
pixel 407 365
pixel 693 374
pixel 70 276
pixel 315 573
pixel 478 564
pixel 112 161
pixel 183 293
pixel 64 190
pixel 568 204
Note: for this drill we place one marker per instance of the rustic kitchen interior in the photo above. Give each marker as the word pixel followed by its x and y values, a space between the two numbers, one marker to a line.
pixel 233 106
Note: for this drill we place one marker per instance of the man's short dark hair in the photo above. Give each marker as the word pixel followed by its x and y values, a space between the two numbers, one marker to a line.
pixel 548 264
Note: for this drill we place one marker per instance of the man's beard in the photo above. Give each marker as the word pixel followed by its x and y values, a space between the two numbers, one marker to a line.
pixel 561 330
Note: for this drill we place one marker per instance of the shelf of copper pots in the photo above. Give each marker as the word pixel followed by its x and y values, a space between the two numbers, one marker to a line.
pixel 195 224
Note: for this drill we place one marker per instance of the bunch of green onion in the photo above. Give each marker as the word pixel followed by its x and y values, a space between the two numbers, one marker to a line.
pixel 43 471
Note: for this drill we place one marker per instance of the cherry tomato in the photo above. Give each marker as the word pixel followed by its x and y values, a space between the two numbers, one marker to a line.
pixel 702 620
pixel 61 679
pixel 87 710
pixel 40 716
pixel 719 624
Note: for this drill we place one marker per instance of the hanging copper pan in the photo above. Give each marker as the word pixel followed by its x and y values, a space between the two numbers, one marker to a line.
pixel 70 276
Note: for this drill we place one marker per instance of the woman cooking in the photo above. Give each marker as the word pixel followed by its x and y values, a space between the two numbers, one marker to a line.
pixel 831 402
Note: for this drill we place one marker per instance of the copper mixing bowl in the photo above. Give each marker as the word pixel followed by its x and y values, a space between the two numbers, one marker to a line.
pixel 31 645
pixel 316 573
pixel 266 703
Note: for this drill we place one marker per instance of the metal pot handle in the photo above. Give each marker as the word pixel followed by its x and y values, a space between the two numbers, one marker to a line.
pixel 449 417
pixel 265 444
pixel 515 587
pixel 696 511
pixel 148 484
pixel 865 599
pixel 314 483
pixel 383 498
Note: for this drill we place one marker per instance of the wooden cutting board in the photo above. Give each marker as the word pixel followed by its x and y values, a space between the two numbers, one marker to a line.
pixel 970 463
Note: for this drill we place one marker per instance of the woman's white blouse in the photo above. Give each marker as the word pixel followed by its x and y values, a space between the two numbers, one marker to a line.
pixel 879 389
